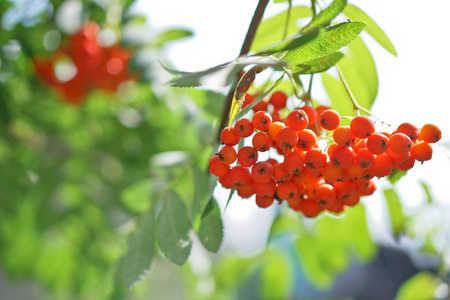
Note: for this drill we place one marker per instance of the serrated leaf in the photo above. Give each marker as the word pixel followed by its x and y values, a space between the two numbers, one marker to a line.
pixel 355 13
pixel 317 65
pixel 141 251
pixel 173 227
pixel 329 41
pixel 171 35
pixel 273 29
pixel 222 74
pixel 395 210
pixel 360 72
pixel 327 15
pixel 201 190
pixel 210 231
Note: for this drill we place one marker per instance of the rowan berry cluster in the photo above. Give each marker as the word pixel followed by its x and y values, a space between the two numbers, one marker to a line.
pixel 96 66
pixel 310 178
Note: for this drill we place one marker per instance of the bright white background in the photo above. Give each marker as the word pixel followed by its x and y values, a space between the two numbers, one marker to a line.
pixel 413 87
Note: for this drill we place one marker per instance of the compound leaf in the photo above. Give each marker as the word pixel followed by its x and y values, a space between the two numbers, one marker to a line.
pixel 327 15
pixel 173 229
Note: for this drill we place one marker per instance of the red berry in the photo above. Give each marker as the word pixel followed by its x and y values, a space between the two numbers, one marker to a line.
pixel 244 127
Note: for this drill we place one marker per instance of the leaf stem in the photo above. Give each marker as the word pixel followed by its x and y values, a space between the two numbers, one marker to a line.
pixel 356 105
pixel 256 19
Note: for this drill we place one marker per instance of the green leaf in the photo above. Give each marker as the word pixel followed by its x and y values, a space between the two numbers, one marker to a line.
pixel 173 229
pixel 171 35
pixel 317 65
pixel 222 74
pixel 210 232
pixel 276 278
pixel 360 72
pixel 137 196
pixel 5 115
pixel 427 192
pixel 272 29
pixel 420 286
pixel 327 15
pixel 395 210
pixel 355 13
pixel 329 41
pixel 201 190
pixel 141 251
pixel 396 175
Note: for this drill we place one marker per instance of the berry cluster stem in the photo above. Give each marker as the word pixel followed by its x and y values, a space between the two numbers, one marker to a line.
pixel 256 19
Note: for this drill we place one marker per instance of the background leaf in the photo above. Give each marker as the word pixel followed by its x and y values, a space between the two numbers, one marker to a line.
pixel 355 13
pixel 420 286
pixel 328 42
pixel 395 211
pixel 171 35
pixel 141 250
pixel 210 232
pixel 272 29
pixel 201 190
pixel 327 15
pixel 173 229
pixel 360 73
pixel 276 278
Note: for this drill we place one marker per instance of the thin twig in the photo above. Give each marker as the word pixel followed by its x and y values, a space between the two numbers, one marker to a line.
pixel 256 19
pixel 356 106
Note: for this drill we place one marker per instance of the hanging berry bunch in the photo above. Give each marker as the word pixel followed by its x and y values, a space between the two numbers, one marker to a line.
pixel 308 177
pixel 96 66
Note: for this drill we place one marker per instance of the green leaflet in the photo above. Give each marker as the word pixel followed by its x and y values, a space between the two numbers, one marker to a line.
pixel 272 30
pixel 210 232
pixel 327 15
pixel 318 65
pixel 171 35
pixel 173 229
pixel 201 190
pixel 360 73
pixel 422 285
pixel 276 277
pixel 395 210
pixel 327 42
pixel 141 251
pixel 355 13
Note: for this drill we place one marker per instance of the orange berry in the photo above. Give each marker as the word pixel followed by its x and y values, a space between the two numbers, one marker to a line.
pixel 261 120
pixel 399 143
pixel 430 133
pixel 362 127
pixel 229 137
pixel 398 159
pixel 287 190
pixel 262 171
pixel 331 173
pixel 306 139
pixel 265 189
pixel 325 195
pixel 311 113
pixel 278 99
pixel 225 181
pixel 274 127
pixel 354 172
pixel 329 119
pixel 247 156
pixel 410 130
pixel 422 151
pixel 315 159
pixel 342 157
pixel 344 189
pixel 310 208
pixel 227 155
pixel 286 138
pixel 364 159
pixel 293 162
pixel 239 176
pixel 382 166
pixel 407 164
pixel 297 120
pixel 244 127
pixel 377 143
pixel 261 141
pixel 343 136
pixel 280 173
pixel 264 202
pixel 365 187
pixel 218 168
pixel 245 191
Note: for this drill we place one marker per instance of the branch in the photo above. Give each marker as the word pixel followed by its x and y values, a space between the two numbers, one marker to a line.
pixel 256 19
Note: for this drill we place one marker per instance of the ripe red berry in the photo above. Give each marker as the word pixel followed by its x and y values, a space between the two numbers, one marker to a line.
pixel 293 162
pixel 239 176
pixel 310 208
pixel 280 173
pixel 329 119
pixel 315 159
pixel 262 171
pixel 362 127
pixel 306 139
pixel 278 99
pixel 247 156
pixel 399 143
pixel 311 112
pixel 430 133
pixel 325 195
pixel 218 168
pixel 229 137
pixel 265 189
pixel 244 127
pixel 297 120
pixel 227 155
pixel 422 151
pixel 410 130
pixel 264 202
pixel 343 136
pixel 286 138
pixel 261 141
pixel 261 120
pixel 342 156
pixel 364 159
pixel 287 190
pixel 377 143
